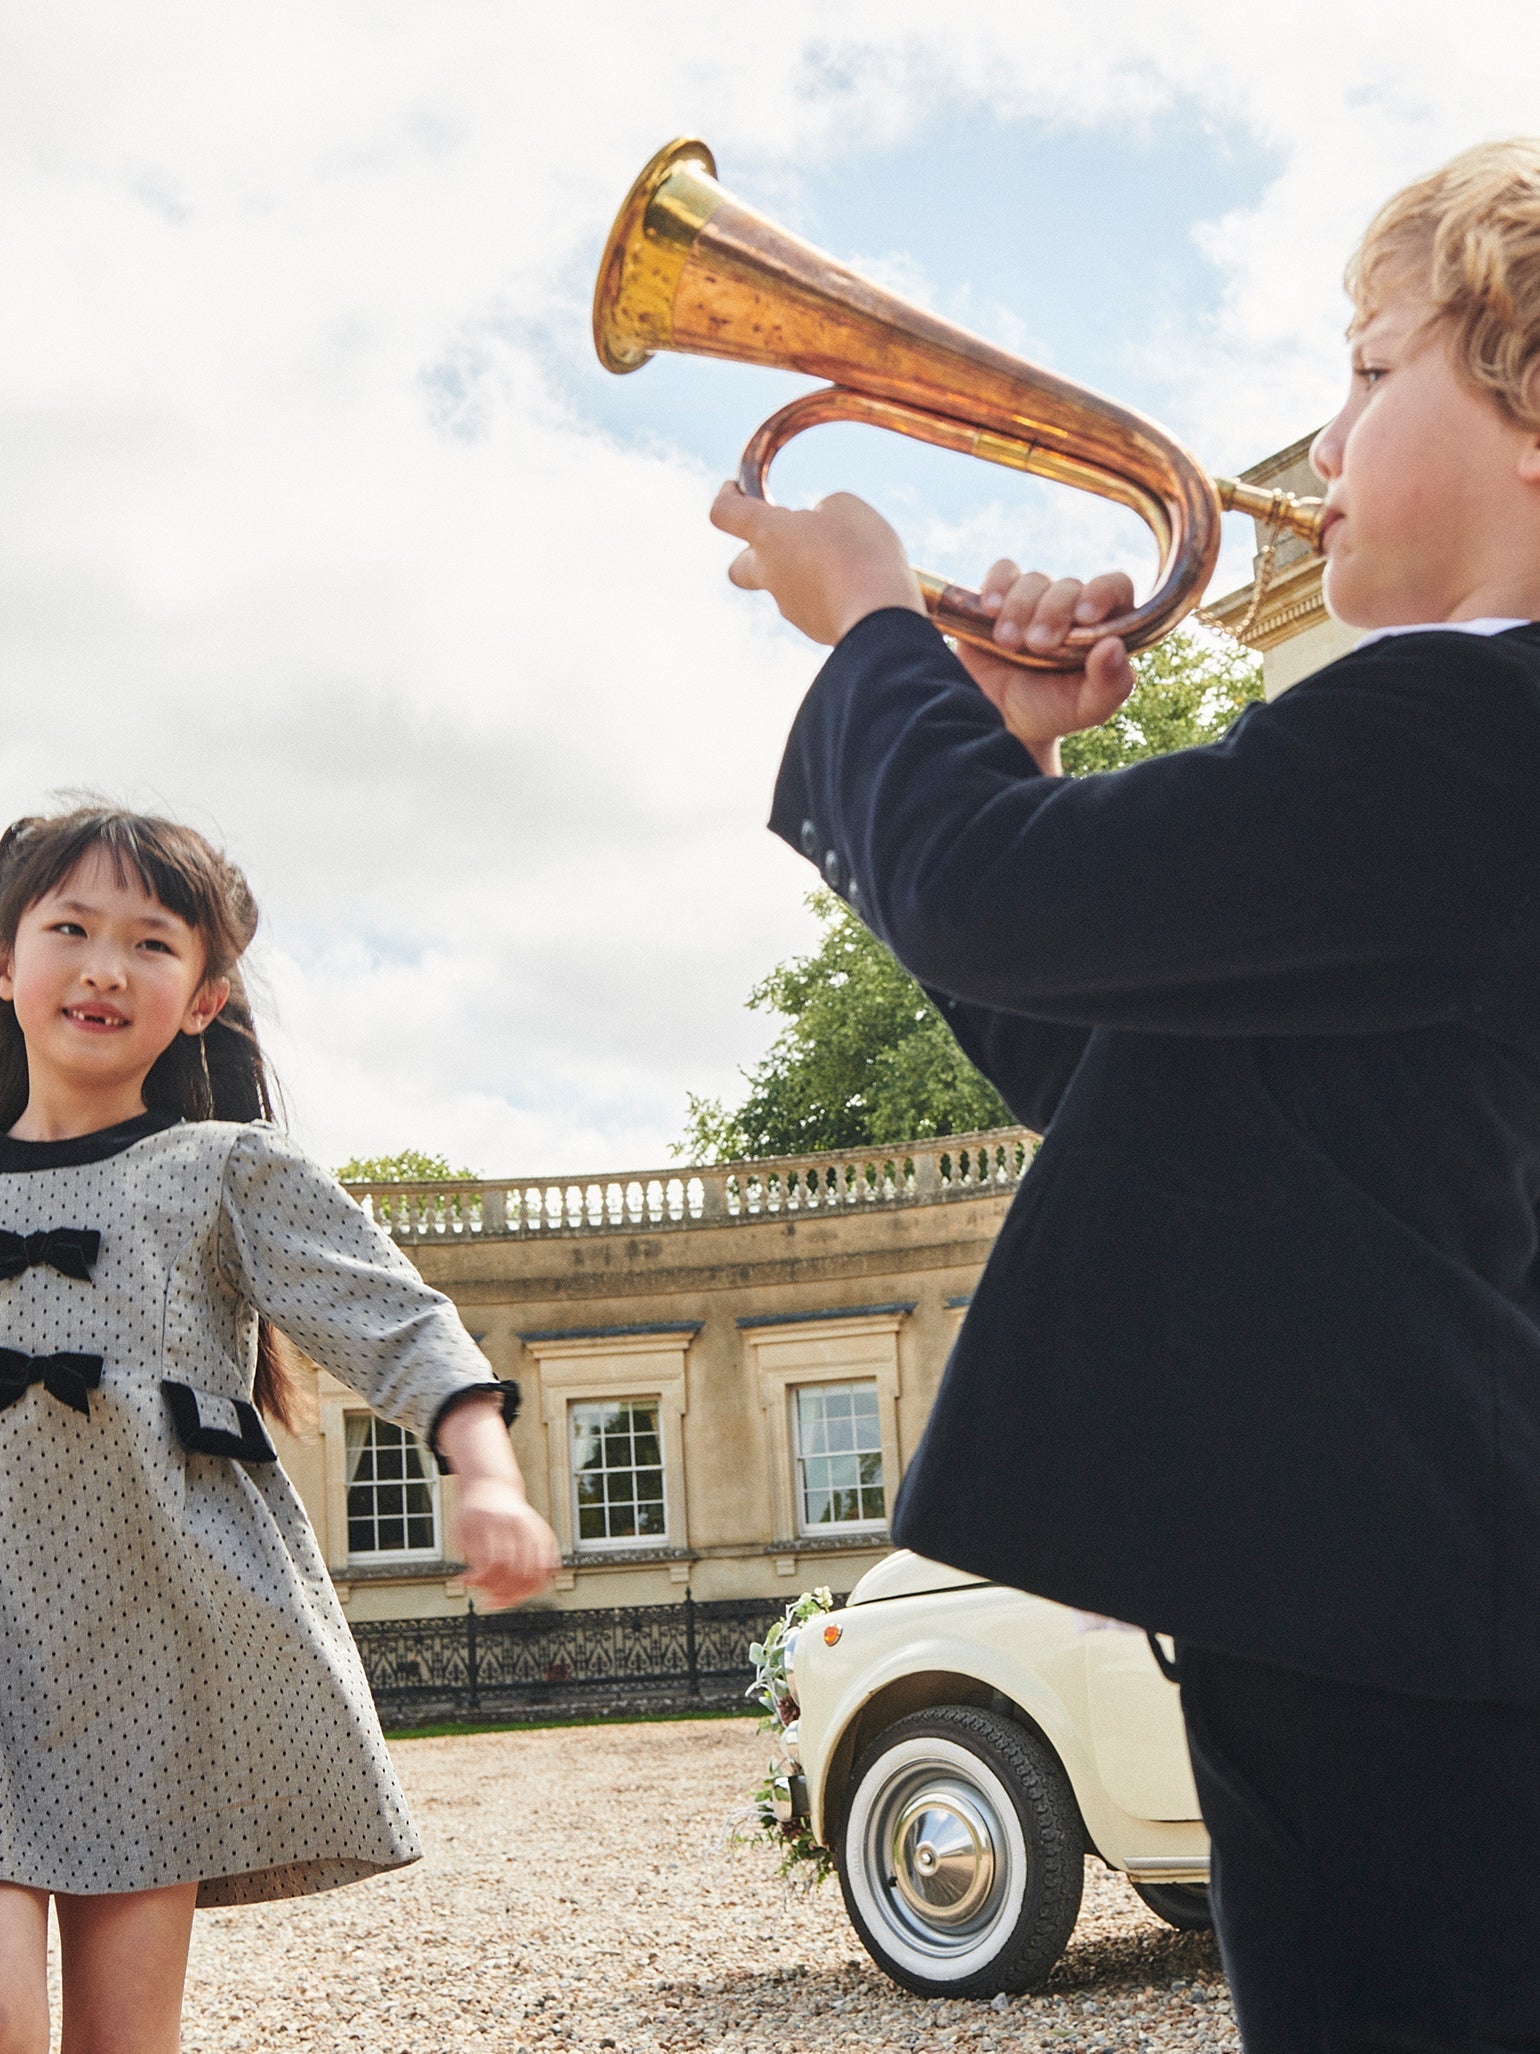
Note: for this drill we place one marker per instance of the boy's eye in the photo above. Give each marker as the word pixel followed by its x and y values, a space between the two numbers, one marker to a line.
pixel 70 927
pixel 153 942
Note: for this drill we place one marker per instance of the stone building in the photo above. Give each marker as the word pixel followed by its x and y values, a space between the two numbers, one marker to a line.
pixel 724 1370
pixel 1293 631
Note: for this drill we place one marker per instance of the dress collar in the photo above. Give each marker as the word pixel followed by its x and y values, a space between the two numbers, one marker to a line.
pixel 82 1148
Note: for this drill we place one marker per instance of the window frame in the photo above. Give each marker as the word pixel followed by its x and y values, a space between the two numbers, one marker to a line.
pixel 830 1528
pixel 827 1348
pixel 615 1543
pixel 375 1558
pixel 588 1369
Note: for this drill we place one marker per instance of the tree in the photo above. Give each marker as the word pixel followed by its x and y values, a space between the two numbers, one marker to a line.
pixel 409 1166
pixel 865 1058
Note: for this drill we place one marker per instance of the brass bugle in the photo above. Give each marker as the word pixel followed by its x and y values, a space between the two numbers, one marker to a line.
pixel 690 268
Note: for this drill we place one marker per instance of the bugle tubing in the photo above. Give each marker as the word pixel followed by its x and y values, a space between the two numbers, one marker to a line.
pixel 690 268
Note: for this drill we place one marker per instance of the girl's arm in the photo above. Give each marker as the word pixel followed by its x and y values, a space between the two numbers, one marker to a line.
pixel 294 1245
pixel 509 1551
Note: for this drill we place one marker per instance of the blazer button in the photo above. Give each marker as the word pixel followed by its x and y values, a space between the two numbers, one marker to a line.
pixel 809 839
pixel 853 893
pixel 831 870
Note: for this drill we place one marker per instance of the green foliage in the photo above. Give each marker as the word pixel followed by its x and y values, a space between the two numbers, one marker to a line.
pixel 864 1058
pixel 1190 689
pixel 410 1166
pixel 801 1855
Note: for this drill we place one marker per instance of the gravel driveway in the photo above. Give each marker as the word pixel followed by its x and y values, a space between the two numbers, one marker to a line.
pixel 576 1894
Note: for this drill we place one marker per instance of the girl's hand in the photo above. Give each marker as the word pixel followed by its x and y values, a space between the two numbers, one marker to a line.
pixel 825 569
pixel 508 1550
pixel 1036 613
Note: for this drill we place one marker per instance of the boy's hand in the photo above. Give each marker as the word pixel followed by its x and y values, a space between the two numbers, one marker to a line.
pixel 825 569
pixel 508 1550
pixel 1036 613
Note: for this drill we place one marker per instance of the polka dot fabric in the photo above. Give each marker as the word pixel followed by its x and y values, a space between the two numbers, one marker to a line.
pixel 181 1697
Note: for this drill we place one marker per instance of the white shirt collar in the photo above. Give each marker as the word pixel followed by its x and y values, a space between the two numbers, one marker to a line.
pixel 1492 626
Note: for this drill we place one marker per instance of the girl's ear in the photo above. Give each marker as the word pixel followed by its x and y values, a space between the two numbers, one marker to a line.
pixel 207 1004
pixel 7 981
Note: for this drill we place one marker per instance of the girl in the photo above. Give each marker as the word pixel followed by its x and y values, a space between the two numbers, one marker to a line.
pixel 184 1719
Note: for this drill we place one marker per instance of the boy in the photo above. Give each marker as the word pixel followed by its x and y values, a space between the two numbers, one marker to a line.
pixel 1256 1360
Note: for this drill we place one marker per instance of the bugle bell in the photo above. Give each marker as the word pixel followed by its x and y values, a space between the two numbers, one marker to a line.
pixel 687 267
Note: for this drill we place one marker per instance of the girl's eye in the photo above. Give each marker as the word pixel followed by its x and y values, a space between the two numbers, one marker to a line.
pixel 70 927
pixel 153 942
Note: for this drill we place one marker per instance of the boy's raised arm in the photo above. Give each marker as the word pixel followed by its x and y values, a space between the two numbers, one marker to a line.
pixel 1305 875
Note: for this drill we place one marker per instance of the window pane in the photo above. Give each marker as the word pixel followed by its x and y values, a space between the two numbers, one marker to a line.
pixel 617 1463
pixel 392 1490
pixel 839 1455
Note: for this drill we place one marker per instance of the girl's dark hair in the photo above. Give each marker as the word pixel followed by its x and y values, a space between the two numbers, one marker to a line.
pixel 218 1075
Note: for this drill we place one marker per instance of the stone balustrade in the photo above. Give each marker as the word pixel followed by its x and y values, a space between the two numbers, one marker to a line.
pixel 951 1167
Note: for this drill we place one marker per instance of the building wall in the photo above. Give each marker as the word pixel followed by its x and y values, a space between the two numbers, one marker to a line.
pixel 1293 632
pixel 722 1324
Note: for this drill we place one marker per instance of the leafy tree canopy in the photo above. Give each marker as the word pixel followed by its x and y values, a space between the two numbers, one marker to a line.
pixel 410 1166
pixel 864 1057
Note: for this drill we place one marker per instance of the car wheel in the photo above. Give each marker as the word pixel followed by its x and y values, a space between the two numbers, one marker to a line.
pixel 961 1854
pixel 1183 1905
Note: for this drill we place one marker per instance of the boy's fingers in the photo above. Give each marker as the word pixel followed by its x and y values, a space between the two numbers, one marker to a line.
pixel 1110 676
pixel 743 572
pixel 998 580
pixel 736 514
pixel 1112 592
pixel 1054 614
pixel 1020 605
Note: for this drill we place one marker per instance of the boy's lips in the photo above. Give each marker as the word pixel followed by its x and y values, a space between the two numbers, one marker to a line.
pixel 97 1019
pixel 1330 525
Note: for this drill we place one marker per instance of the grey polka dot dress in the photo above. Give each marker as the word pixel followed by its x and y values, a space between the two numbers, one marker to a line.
pixel 180 1697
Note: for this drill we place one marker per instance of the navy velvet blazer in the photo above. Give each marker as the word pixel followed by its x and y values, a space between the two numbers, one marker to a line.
pixel 1256 1358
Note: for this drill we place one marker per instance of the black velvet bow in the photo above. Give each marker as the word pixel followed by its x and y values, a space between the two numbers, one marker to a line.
pixel 69 1250
pixel 69 1378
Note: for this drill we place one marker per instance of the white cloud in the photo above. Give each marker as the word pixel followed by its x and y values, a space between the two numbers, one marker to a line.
pixel 297 539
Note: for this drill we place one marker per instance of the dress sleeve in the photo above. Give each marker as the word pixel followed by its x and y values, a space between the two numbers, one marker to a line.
pixel 301 1251
pixel 1340 863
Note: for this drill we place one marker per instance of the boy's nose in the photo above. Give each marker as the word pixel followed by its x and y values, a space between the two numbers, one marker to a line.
pixel 1326 451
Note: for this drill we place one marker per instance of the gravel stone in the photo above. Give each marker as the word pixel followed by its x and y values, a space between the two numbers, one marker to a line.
pixel 579 1892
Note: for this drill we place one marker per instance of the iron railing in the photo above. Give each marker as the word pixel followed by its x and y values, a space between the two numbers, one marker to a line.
pixel 542 1664
pixel 718 1194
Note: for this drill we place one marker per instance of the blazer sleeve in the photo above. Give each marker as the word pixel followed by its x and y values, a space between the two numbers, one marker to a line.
pixel 1029 1062
pixel 294 1245
pixel 1339 862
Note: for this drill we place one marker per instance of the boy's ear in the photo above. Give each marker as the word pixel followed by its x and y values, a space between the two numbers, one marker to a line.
pixel 7 981
pixel 208 1003
pixel 1529 461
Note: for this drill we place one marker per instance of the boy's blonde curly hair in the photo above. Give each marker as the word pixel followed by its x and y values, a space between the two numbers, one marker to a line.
pixel 1468 236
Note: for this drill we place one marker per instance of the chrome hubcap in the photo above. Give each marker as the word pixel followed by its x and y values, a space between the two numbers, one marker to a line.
pixel 943 1855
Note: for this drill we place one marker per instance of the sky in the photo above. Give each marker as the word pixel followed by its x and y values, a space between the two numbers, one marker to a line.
pixel 322 528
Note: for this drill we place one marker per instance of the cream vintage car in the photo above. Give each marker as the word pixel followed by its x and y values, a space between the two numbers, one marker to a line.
pixel 960 1748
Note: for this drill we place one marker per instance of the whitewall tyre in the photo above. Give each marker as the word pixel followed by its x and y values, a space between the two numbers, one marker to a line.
pixel 961 1854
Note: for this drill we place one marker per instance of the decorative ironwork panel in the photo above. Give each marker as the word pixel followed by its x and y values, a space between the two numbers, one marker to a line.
pixel 665 1656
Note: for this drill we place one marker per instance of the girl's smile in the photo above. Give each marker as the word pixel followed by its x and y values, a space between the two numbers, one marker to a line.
pixel 103 978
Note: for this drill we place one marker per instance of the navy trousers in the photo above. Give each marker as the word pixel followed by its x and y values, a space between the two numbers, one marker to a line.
pixel 1376 1872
